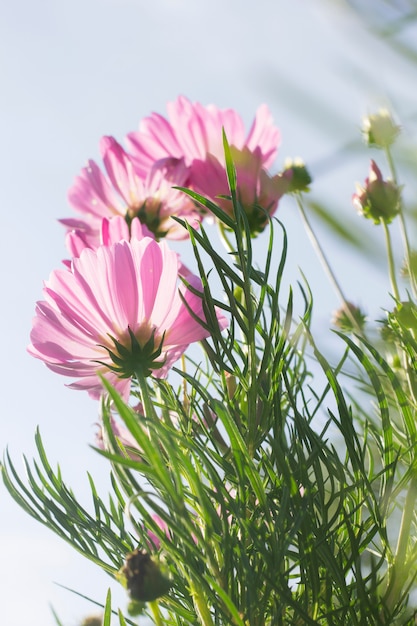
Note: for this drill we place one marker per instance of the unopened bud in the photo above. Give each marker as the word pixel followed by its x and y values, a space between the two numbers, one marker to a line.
pixel 405 314
pixel 380 129
pixel 297 175
pixel 349 320
pixel 409 267
pixel 378 199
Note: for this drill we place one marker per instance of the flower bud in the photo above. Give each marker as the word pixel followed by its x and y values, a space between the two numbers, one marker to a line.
pixel 378 199
pixel 380 130
pixel 349 322
pixel 297 175
pixel 405 314
pixel 143 578
pixel 387 333
pixel 409 266
pixel 93 620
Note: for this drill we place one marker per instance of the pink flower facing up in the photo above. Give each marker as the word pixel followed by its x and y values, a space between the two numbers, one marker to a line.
pixel 194 134
pixel 123 191
pixel 192 131
pixel 119 312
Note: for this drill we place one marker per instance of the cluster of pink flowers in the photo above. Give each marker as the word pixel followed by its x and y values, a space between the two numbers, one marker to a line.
pixel 184 150
pixel 118 307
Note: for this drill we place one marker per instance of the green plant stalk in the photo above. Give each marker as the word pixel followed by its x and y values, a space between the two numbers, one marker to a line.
pixel 147 402
pixel 400 568
pixel 200 605
pixel 252 367
pixel 251 347
pixel 156 613
pixel 224 238
pixel 403 226
pixel 391 267
pixel 150 412
pixel 326 265
pixel 249 337
pixel 391 264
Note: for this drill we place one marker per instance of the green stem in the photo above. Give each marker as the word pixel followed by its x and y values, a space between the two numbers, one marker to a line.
pixel 391 164
pixel 400 568
pixel 201 605
pixel 244 256
pixel 150 412
pixel 403 226
pixel 326 265
pixel 156 613
pixel 391 264
pixel 224 238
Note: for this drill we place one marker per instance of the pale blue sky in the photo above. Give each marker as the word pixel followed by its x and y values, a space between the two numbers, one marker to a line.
pixel 72 71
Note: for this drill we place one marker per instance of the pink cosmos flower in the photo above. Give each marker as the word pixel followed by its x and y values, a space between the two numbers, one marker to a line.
pixel 192 131
pixel 123 191
pixel 154 542
pixel 258 192
pixel 117 311
pixel 113 230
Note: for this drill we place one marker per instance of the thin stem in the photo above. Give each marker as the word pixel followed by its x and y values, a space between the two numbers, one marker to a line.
pixel 400 568
pixel 391 264
pixel 224 238
pixel 146 399
pixel 391 164
pixel 200 605
pixel 326 265
pixel 244 256
pixel 403 226
pixel 156 613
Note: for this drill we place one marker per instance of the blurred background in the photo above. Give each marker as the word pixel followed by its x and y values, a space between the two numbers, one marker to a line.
pixel 74 70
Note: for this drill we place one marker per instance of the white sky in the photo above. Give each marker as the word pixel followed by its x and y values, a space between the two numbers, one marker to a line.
pixel 74 70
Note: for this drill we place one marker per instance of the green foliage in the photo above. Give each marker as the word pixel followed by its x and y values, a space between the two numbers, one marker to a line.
pixel 271 494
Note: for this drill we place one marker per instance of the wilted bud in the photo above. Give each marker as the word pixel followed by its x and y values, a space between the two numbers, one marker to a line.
pixel 297 175
pixel 143 578
pixel 230 384
pixel 349 321
pixel 378 199
pixel 380 130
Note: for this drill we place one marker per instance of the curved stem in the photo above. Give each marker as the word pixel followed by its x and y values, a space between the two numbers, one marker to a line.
pixel 391 264
pixel 326 266
pixel 224 238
